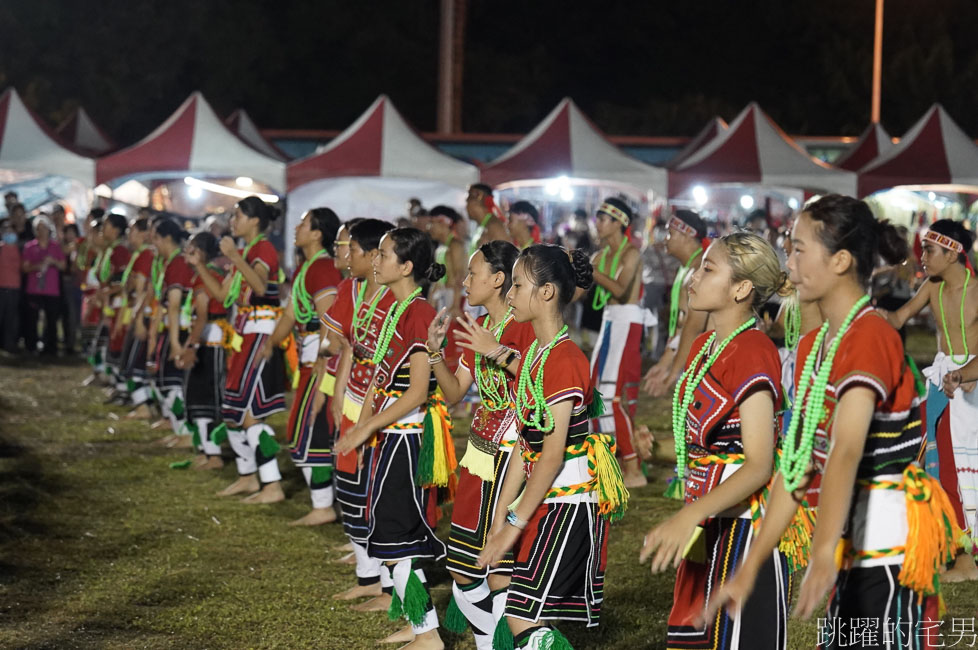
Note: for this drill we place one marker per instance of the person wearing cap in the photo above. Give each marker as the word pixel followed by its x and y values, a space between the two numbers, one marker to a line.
pixel 951 453
pixel 43 259
pixel 686 242
pixel 483 211
pixel 616 361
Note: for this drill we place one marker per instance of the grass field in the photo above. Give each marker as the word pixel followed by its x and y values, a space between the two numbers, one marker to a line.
pixel 102 545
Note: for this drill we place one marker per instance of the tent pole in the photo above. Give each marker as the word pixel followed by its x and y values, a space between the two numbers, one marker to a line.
pixel 877 62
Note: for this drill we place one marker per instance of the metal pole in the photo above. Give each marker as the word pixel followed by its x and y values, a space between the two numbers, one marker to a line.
pixel 446 42
pixel 877 63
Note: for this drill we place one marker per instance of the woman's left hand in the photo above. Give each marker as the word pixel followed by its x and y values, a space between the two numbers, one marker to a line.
pixel 819 578
pixel 352 439
pixel 473 336
pixel 667 541
pixel 498 544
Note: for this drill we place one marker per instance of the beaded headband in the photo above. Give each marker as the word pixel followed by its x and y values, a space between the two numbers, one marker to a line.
pixel 615 213
pixel 678 224
pixel 943 241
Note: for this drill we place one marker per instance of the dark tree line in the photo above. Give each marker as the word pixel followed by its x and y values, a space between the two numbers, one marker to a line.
pixel 651 68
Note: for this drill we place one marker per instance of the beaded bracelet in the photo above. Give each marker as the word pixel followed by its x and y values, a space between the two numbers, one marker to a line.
pixel 513 520
pixel 434 359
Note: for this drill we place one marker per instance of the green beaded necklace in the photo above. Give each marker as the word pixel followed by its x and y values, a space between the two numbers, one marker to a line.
pixel 161 276
pixel 235 289
pixel 681 400
pixel 303 306
pixel 792 324
pixel 677 286
pixel 796 454
pixel 602 295
pixel 361 324
pixel 390 325
pixel 538 407
pixel 947 339
pixel 155 272
pixel 492 381
pixel 105 264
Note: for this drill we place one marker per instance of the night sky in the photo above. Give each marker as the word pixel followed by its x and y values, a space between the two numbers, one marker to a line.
pixel 637 68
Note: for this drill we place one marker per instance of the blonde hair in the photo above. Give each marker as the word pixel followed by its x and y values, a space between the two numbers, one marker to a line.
pixel 753 258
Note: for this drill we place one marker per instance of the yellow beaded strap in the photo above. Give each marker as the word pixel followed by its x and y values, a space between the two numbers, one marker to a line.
pixel 932 530
pixel 603 469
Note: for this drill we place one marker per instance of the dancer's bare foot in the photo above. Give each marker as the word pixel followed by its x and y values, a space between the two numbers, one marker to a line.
pixel 404 635
pixel 631 473
pixel 244 485
pixel 181 442
pixel 349 558
pixel 166 441
pixel 360 591
pixel 162 423
pixel 964 569
pixel 379 603
pixel 141 412
pixel 344 548
pixel 209 463
pixel 270 493
pixel 316 517
pixel 429 640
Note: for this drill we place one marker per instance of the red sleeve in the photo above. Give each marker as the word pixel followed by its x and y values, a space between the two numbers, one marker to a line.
pixel 755 363
pixel 178 275
pixel 413 328
pixel 144 263
pixel 265 253
pixel 871 355
pixel 697 345
pixel 339 316
pixel 567 375
pixel 119 259
pixel 322 278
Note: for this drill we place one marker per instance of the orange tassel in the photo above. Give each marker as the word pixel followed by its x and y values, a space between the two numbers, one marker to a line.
pixel 932 535
pixel 291 360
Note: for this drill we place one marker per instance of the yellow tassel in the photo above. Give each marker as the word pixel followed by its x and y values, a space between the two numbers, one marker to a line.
pixel 126 316
pixel 445 463
pixel 328 385
pixel 612 493
pixel 479 463
pixel 797 539
pixel 236 341
pixel 932 532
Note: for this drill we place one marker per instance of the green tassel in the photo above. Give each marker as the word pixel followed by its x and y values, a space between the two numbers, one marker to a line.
pixel 918 379
pixel 415 599
pixel 395 611
pixel 966 543
pixel 91 360
pixel 219 434
pixel 177 408
pixel 424 472
pixel 268 445
pixel 130 385
pixel 502 638
pixel 455 620
pixel 554 640
pixel 181 464
pixel 674 490
pixel 322 474
pixel 596 408
pixel 195 434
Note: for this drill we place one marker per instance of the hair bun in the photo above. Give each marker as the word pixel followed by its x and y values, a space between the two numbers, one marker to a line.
pixel 272 212
pixel 435 272
pixel 583 271
pixel 786 288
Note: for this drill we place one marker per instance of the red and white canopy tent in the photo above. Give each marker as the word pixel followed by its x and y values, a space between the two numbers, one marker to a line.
pixel 754 151
pixel 567 145
pixel 81 132
pixel 710 130
pixel 373 167
pixel 873 142
pixel 935 152
pixel 192 142
pixel 31 154
pixel 242 125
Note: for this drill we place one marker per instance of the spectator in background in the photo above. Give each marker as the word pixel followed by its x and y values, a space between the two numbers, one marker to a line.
pixel 9 200
pixel 578 236
pixel 23 227
pixel 58 219
pixel 9 287
pixel 71 293
pixel 43 258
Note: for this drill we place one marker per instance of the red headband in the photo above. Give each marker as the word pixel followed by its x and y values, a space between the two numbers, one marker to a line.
pixel 943 241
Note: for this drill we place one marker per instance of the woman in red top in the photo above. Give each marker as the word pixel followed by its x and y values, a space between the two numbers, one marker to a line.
pixel 136 286
pixel 884 527
pixel 255 387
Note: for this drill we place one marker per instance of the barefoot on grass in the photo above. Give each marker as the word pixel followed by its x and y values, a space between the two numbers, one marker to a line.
pixel 316 517
pixel 244 485
pixel 271 493
pixel 631 473
pixel 404 635
pixel 349 558
pixel 141 412
pixel 964 570
pixel 209 463
pixel 429 640
pixel 181 442
pixel 379 603
pixel 360 591
pixel 344 548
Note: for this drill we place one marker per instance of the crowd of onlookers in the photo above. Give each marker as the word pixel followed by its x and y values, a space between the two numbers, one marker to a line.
pixel 40 281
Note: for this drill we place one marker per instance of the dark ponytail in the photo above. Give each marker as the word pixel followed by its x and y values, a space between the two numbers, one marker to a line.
pixel 368 232
pixel 412 245
pixel 207 244
pixel 255 208
pixel 170 228
pixel 501 256
pixel 567 271
pixel 328 224
pixel 118 221
pixel 848 224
